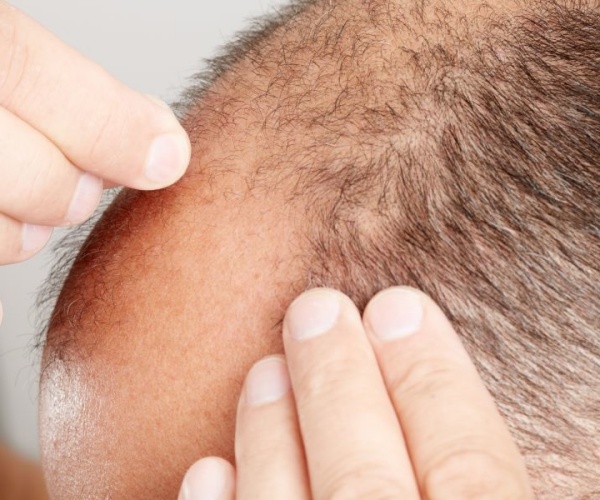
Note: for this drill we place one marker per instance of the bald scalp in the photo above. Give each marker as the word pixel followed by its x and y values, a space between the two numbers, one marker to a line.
pixel 455 148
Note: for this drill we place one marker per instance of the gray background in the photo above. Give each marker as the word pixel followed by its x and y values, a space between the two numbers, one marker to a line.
pixel 152 46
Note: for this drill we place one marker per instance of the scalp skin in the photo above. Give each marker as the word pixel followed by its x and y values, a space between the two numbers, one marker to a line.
pixel 158 328
pixel 356 145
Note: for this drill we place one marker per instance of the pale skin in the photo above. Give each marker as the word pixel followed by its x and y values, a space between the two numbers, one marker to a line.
pixel 68 130
pixel 384 406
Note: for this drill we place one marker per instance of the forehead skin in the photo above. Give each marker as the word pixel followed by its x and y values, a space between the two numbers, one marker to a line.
pixel 174 297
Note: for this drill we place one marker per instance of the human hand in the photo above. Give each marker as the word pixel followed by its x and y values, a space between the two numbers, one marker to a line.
pixel 65 125
pixel 389 406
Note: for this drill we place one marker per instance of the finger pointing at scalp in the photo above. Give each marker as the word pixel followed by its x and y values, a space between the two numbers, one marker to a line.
pixel 268 446
pixel 99 124
pixel 210 477
pixel 457 440
pixel 353 443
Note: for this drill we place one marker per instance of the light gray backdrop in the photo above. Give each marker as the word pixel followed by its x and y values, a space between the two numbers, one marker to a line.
pixel 154 47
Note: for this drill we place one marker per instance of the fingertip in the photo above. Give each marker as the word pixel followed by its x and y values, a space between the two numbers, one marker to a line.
pixel 86 199
pixel 169 154
pixel 267 381
pixel 34 238
pixel 211 478
pixel 154 152
pixel 396 312
pixel 167 160
pixel 313 313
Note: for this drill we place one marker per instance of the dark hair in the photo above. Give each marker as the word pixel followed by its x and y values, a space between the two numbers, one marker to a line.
pixel 454 151
pixel 457 152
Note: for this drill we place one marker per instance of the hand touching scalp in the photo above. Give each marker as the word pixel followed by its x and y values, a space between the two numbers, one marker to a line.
pixel 384 406
pixel 67 128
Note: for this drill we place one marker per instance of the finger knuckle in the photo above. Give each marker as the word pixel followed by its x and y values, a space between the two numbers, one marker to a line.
pixel 421 376
pixel 99 139
pixel 365 482
pixel 14 53
pixel 470 474
pixel 326 381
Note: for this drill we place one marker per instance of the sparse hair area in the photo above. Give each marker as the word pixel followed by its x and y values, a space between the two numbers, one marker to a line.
pixel 453 147
pixel 447 145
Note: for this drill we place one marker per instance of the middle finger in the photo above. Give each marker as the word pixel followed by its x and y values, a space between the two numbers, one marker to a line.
pixel 44 187
pixel 353 442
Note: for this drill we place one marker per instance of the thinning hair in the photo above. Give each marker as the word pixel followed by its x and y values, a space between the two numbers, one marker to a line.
pixel 452 149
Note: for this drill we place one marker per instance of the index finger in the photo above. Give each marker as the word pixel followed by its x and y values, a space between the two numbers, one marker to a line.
pixel 100 125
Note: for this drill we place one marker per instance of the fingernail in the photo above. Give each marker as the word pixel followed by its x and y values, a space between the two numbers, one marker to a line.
pixel 206 480
pixel 395 313
pixel 85 199
pixel 267 381
pixel 34 237
pixel 312 314
pixel 168 158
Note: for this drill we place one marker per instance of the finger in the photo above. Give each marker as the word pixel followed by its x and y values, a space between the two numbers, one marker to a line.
pixel 20 241
pixel 102 126
pixel 268 448
pixel 458 442
pixel 210 477
pixel 352 440
pixel 40 185
pixel 110 185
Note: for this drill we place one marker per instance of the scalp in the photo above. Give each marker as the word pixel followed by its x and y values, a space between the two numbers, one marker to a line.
pixel 455 148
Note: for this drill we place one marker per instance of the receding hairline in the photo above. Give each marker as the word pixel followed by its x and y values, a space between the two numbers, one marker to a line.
pixel 66 251
pixel 350 257
pixel 483 302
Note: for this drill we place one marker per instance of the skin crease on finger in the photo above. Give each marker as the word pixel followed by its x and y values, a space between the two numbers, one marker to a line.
pixel 152 385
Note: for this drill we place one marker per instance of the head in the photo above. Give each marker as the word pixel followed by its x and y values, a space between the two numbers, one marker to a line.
pixel 449 146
